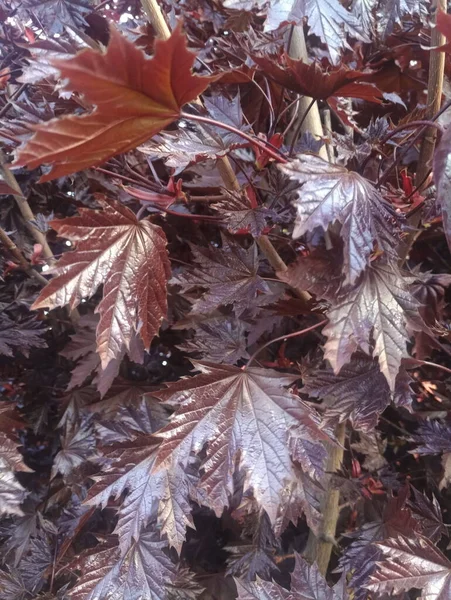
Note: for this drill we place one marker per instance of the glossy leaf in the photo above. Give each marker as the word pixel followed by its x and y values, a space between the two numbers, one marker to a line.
pixel 379 308
pixel 306 584
pixel 228 409
pixel 127 256
pixel 331 193
pixel 413 563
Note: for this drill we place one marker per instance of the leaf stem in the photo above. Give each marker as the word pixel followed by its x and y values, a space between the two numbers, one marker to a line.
pixel 254 141
pixel 7 242
pixel 426 363
pixel 283 338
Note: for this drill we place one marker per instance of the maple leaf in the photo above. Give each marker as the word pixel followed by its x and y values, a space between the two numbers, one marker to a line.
pixel 241 216
pixel 162 495
pixel 56 14
pixel 331 193
pixel 129 258
pixel 135 98
pixel 20 336
pixel 143 573
pixel 359 392
pixel 307 583
pixel 432 437
pixel 313 81
pixel 378 309
pixel 412 563
pixel 227 409
pixel 77 446
pixel 223 340
pixel 389 519
pixel 229 274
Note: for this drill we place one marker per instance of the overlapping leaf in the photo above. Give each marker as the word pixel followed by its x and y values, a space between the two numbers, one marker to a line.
pixel 21 336
pixel 331 193
pixel 243 418
pixel 134 98
pixel 412 563
pixel 359 392
pixel 129 258
pixel 229 275
pixel 327 19
pixel 162 495
pixel 307 583
pixel 374 316
pixel 144 573
pixel 313 81
pixel 442 176
pixel 56 14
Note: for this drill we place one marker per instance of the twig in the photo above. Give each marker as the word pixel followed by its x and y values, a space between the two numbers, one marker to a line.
pixel 434 100
pixel 283 338
pixel 225 169
pixel 19 257
pixel 278 156
pixel 25 209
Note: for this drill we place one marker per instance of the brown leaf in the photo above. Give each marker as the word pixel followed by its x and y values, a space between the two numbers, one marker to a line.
pixel 134 98
pixel 129 258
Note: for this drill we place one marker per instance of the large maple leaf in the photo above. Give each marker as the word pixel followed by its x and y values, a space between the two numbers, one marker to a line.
pixel 129 258
pixel 413 563
pixel 135 97
pixel 243 417
pixel 331 193
pixel 307 583
pixel 373 316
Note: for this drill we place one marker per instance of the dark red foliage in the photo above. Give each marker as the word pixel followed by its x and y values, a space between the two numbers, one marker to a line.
pixel 225 322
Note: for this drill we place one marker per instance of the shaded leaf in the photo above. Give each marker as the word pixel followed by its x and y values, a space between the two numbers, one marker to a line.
pixel 56 14
pixel 220 340
pixel 313 81
pixel 127 256
pixel 229 274
pixel 306 584
pixel 20 336
pixel 359 392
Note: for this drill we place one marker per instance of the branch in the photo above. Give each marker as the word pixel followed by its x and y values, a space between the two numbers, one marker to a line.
pixel 434 101
pixel 19 257
pixel 308 118
pixel 25 209
pixel 155 16
pixel 319 548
